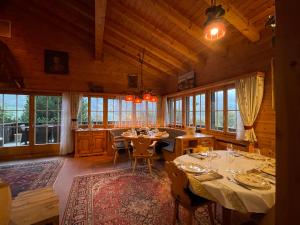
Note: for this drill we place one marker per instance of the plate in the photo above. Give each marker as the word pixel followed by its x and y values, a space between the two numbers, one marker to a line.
pixel 254 156
pixel 191 168
pixel 269 170
pixel 252 181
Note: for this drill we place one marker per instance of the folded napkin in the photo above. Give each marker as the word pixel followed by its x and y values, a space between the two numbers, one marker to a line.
pixel 212 175
pixel 199 155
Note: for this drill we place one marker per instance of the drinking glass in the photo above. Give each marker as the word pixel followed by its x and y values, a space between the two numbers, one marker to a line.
pixel 230 161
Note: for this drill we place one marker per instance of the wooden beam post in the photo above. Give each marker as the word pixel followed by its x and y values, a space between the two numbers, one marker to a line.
pixel 287 95
pixel 100 11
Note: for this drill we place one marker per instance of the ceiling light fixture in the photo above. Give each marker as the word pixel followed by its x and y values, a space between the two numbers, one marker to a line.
pixel 214 27
pixel 141 93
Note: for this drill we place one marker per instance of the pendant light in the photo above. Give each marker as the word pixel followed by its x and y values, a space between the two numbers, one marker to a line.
pixel 214 27
pixel 141 93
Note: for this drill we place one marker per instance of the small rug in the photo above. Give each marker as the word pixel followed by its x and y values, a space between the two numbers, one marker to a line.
pixel 23 176
pixel 122 198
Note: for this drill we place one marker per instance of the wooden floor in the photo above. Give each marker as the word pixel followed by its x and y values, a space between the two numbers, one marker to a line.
pixel 80 166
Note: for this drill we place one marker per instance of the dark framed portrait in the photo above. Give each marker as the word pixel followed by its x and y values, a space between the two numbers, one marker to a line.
pixel 132 81
pixel 56 62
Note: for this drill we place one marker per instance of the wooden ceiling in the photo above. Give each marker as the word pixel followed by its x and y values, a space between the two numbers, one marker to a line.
pixel 170 31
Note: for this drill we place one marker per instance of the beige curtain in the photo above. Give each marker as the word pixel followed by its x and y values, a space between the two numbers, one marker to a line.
pixel 250 92
pixel 165 112
pixel 70 108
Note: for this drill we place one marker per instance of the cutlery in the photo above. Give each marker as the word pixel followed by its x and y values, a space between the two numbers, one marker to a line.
pixel 233 181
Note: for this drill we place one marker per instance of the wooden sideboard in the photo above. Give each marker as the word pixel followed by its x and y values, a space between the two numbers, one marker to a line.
pixel 90 142
pixel 185 141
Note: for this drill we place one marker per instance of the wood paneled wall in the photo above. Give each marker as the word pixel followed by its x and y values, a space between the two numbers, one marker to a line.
pixel 31 35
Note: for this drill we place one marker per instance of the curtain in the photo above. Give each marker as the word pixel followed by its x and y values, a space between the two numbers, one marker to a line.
pixel 70 109
pixel 249 96
pixel 165 111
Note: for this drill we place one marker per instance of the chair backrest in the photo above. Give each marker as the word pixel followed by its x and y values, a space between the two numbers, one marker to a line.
pixel 179 183
pixel 141 146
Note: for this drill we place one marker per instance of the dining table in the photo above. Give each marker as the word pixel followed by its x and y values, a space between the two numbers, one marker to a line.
pixel 225 190
pixel 152 137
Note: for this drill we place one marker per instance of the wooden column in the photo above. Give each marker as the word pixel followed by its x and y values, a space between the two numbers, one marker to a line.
pixel 287 93
pixel 100 11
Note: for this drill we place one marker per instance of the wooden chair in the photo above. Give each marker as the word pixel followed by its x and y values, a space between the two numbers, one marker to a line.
pixel 183 196
pixel 141 151
pixel 118 144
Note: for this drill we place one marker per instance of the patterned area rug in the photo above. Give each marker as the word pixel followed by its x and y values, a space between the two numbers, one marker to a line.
pixel 122 198
pixel 30 175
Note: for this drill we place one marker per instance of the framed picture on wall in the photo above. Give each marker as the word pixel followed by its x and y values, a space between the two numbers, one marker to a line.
pixel 186 81
pixel 56 62
pixel 132 81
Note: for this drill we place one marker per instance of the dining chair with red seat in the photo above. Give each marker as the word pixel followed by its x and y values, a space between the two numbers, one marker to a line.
pixel 183 196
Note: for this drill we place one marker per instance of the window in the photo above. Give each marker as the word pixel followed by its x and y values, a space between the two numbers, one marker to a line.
pixel 97 110
pixel 232 110
pixel 178 108
pixel 83 112
pixel 14 120
pixel 190 111
pixel 113 111
pixel 217 110
pixel 126 113
pixel 47 119
pixel 141 113
pixel 152 113
pixel 200 110
pixel 171 111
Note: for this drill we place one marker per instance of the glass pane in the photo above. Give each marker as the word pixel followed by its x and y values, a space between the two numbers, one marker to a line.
pixel 219 124
pixel 53 117
pixel 52 134
pixel 9 117
pixel 232 120
pixel 1 135
pixel 40 135
pixel 197 102
pixel 231 101
pixel 41 117
pixel 23 102
pixel 203 102
pixel 1 104
pixel 220 100
pixel 10 102
pixel 202 123
pixel 41 102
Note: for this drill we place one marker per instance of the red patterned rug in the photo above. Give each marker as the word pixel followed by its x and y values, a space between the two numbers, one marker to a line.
pixel 23 176
pixel 122 198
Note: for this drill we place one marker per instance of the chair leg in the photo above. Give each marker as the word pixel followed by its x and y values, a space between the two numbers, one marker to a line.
pixel 175 216
pixel 211 214
pixel 115 157
pixel 149 165
pixel 129 156
pixel 134 165
pixel 191 217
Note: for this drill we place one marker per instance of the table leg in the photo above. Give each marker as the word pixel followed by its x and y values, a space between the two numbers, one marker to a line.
pixel 226 214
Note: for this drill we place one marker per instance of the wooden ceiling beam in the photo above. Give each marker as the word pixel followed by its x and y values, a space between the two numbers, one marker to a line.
pixel 135 53
pixel 125 34
pixel 185 24
pixel 128 58
pixel 158 34
pixel 242 24
pixel 100 11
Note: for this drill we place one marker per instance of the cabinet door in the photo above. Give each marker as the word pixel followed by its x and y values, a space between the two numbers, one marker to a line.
pixel 99 143
pixel 83 144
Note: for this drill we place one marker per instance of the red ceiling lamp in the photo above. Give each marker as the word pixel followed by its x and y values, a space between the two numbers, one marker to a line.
pixel 137 100
pixel 147 96
pixel 129 98
pixel 153 99
pixel 214 27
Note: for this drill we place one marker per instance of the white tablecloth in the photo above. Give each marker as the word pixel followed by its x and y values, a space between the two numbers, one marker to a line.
pixel 226 193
